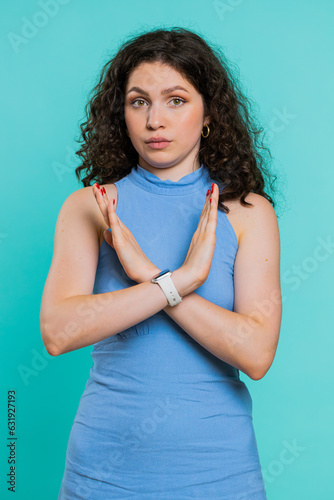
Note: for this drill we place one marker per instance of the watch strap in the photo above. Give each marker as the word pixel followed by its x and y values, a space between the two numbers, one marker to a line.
pixel 168 287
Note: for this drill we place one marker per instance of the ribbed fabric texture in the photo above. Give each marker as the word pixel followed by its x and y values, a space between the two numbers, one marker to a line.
pixel 161 417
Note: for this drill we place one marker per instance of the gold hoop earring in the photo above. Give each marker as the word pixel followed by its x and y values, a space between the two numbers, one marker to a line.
pixel 207 130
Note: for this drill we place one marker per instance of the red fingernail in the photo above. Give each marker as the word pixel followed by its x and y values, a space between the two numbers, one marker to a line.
pixel 212 186
pixel 103 190
pixel 113 202
pixel 210 200
pixel 97 185
pixel 208 191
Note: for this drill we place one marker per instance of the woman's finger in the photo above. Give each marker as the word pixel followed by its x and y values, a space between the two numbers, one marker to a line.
pixel 115 223
pixel 98 193
pixel 102 200
pixel 108 237
pixel 205 212
pixel 211 220
pixel 104 196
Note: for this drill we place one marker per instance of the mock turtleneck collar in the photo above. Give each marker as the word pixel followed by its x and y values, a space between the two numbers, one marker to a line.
pixel 189 183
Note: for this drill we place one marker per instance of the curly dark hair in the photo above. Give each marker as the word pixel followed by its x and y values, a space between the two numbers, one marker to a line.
pixel 231 151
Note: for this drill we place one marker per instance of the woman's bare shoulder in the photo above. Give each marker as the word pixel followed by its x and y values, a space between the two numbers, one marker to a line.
pixel 84 199
pixel 241 216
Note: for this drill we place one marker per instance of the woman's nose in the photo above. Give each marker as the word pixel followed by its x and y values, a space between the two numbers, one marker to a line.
pixel 155 116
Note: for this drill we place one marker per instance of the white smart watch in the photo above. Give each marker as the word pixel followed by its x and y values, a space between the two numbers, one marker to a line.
pixel 164 280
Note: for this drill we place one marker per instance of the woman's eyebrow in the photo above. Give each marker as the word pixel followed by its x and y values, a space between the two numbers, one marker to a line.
pixel 165 91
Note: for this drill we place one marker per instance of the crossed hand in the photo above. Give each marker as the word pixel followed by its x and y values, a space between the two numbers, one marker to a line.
pixel 134 261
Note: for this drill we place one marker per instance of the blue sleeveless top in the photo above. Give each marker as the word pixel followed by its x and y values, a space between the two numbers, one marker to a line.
pixel 161 417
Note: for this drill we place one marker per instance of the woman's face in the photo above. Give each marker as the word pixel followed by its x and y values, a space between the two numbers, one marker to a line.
pixel 155 108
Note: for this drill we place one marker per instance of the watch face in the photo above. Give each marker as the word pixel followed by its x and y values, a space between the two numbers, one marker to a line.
pixel 165 271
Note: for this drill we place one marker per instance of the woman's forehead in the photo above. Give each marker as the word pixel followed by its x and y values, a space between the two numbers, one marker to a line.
pixel 157 74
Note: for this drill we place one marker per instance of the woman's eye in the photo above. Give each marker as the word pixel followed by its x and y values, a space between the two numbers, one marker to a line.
pixel 178 99
pixel 137 100
pixel 141 101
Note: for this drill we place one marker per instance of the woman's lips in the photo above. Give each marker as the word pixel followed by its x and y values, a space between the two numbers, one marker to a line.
pixel 158 145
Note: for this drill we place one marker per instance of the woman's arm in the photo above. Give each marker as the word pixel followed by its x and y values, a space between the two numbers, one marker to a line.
pixel 247 337
pixel 71 317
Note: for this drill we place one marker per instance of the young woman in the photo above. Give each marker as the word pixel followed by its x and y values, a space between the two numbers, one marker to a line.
pixel 178 191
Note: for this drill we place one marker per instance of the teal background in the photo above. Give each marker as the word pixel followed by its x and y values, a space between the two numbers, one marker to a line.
pixel 284 51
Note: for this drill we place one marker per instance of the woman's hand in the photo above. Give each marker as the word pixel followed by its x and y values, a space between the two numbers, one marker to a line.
pixel 199 257
pixel 135 263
